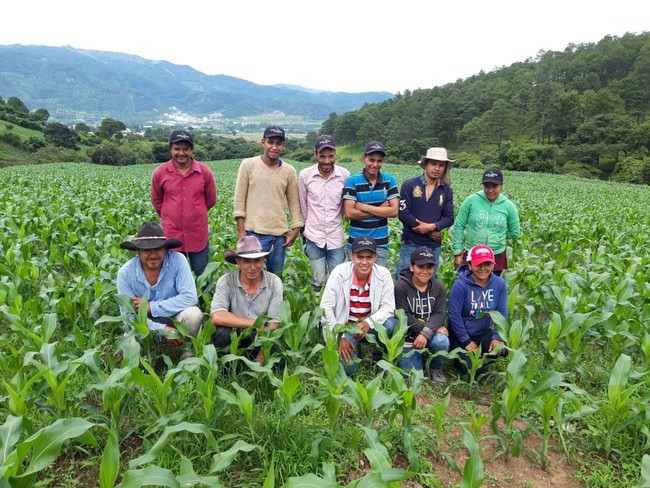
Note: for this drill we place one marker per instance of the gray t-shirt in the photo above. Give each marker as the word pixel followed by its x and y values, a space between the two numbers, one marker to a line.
pixel 231 296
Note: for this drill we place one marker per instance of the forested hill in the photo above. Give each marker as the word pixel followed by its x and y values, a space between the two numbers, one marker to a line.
pixel 583 111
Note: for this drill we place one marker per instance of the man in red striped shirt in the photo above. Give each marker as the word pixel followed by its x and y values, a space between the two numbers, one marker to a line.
pixel 360 293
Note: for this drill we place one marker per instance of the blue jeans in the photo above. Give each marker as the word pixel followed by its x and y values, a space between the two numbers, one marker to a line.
pixel 405 256
pixel 322 262
pixel 439 342
pixel 199 260
pixel 275 260
pixel 352 367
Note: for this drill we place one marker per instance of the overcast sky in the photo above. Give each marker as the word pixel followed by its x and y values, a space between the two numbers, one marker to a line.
pixel 338 45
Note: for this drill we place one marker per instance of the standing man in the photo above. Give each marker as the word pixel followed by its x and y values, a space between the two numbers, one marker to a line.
pixel 182 192
pixel 426 207
pixel 370 198
pixel 161 276
pixel 265 187
pixel 241 296
pixel 360 293
pixel 320 188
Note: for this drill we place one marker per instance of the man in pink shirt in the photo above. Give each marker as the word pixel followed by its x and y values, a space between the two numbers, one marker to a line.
pixel 182 192
pixel 320 189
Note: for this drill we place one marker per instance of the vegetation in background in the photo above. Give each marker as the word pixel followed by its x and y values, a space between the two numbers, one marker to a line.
pixel 85 400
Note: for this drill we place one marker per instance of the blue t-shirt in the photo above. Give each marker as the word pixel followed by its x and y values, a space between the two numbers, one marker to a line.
pixel 358 188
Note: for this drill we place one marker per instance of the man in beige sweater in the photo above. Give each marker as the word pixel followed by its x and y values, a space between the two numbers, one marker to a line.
pixel 265 187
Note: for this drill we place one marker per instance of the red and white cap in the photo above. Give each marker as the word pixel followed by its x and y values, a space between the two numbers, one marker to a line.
pixel 480 254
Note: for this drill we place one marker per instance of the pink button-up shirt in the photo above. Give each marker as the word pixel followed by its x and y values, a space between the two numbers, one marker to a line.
pixel 321 205
pixel 183 201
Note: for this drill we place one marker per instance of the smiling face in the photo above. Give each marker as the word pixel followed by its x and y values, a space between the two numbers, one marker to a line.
pixel 250 269
pixel 422 274
pixel 273 147
pixel 373 163
pixel 326 159
pixel 492 191
pixel 181 154
pixel 481 273
pixel 362 262
pixel 151 259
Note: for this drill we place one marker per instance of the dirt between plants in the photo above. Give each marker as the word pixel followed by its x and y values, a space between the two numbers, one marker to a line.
pixel 521 472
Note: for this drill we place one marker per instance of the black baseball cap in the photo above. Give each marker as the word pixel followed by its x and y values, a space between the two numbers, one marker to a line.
pixel 181 135
pixel 324 142
pixel 274 131
pixel 493 175
pixel 423 255
pixel 364 243
pixel 373 147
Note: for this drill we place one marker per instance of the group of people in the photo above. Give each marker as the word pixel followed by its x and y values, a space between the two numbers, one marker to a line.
pixel 274 205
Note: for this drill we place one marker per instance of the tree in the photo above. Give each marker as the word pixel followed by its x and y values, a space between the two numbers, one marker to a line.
pixel 39 115
pixel 60 135
pixel 17 105
pixel 109 127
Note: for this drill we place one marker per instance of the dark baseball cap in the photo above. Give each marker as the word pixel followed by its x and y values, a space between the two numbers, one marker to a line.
pixel 364 243
pixel 181 135
pixel 324 142
pixel 493 175
pixel 274 131
pixel 373 147
pixel 423 255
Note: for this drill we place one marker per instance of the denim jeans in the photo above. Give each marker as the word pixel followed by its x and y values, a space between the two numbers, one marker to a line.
pixel 405 256
pixel 463 363
pixel 322 261
pixel 352 367
pixel 439 342
pixel 199 260
pixel 275 260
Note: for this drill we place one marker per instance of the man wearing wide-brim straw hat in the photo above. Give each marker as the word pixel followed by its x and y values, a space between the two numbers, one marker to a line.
pixel 426 206
pixel 163 278
pixel 245 294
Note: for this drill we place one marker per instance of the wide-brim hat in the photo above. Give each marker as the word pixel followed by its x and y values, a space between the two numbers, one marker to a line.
pixel 150 236
pixel 248 247
pixel 436 154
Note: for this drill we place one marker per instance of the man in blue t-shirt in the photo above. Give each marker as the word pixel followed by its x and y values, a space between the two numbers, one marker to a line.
pixel 370 198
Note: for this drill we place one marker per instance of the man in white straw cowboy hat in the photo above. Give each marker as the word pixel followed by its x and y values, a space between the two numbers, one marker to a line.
pixel 163 278
pixel 244 294
pixel 426 207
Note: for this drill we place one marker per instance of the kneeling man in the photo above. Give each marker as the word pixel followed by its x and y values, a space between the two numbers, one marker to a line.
pixel 241 296
pixel 361 293
pixel 161 276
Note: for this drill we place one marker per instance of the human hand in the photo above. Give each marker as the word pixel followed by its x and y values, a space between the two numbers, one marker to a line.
pixel 365 328
pixel 137 301
pixel 497 347
pixel 420 341
pixel 471 347
pixel 172 336
pixel 273 324
pixel 291 236
pixel 346 350
pixel 443 331
pixel 423 227
pixel 436 235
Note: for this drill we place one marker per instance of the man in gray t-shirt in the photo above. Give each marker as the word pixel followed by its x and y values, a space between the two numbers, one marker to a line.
pixel 241 296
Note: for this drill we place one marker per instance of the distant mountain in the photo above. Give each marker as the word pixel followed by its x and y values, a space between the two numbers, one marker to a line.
pixel 75 84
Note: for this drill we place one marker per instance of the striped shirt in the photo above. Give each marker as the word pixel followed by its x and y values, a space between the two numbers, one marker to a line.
pixel 359 189
pixel 360 305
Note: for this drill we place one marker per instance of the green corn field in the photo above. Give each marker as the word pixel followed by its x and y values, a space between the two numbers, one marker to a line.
pixel 87 400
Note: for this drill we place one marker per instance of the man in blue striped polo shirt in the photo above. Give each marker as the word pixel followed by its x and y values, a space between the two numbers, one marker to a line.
pixel 370 198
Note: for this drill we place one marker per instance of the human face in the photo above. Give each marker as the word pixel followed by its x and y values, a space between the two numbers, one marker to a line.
pixel 151 259
pixel 181 153
pixel 434 169
pixel 250 269
pixel 422 273
pixel 482 272
pixel 362 262
pixel 373 163
pixel 492 191
pixel 273 147
pixel 326 159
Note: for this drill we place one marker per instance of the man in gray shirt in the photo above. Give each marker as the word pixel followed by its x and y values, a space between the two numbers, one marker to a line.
pixel 241 296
